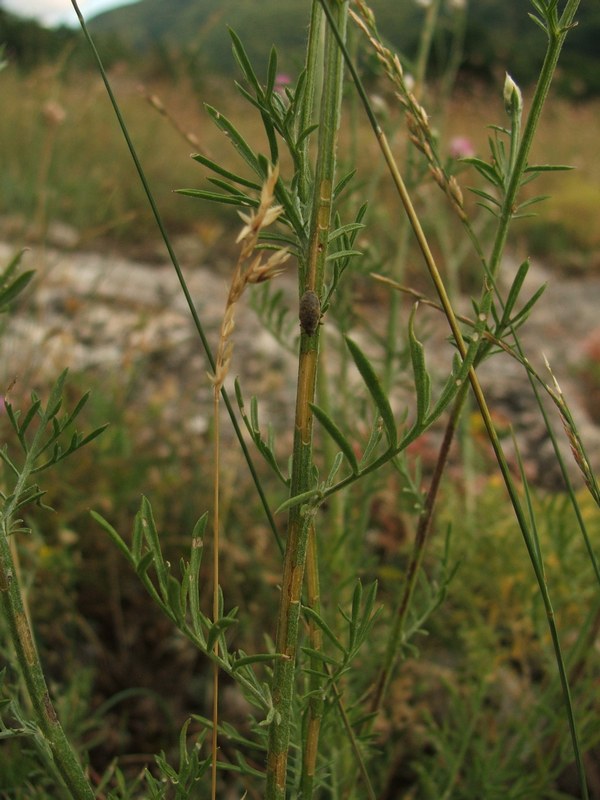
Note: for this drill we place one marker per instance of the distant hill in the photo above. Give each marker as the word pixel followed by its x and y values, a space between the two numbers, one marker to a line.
pixel 499 35
pixel 200 26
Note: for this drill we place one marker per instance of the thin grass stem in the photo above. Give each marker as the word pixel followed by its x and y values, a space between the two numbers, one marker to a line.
pixel 556 37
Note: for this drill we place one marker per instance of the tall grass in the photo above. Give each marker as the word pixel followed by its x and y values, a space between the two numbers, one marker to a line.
pixel 331 695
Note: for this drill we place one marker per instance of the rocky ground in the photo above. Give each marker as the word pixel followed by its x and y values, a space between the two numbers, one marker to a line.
pixel 98 312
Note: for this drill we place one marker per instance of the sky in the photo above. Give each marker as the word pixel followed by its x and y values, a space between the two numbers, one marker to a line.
pixel 59 12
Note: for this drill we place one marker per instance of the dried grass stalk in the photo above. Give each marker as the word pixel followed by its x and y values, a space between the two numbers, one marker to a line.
pixel 251 267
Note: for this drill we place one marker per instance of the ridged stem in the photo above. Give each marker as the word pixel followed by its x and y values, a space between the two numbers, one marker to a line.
pixel 301 520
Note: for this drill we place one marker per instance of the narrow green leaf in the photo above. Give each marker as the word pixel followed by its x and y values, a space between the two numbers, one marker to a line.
pixel 196 551
pixel 55 399
pixel 80 405
pixel 374 439
pixel 421 377
pixel 306 133
pixel 215 197
pixel 485 195
pixel 487 208
pixel 341 185
pixel 513 293
pixel 153 541
pixel 280 240
pixel 320 623
pixel 11 268
pixel 216 629
pixel 173 599
pixel 225 173
pixel 231 189
pixel 15 288
pixel 532 201
pixel 91 436
pixel 335 467
pixel 337 436
pixel 485 170
pixel 137 538
pixel 33 410
pixel 250 98
pixel 254 414
pixel 271 136
pixel 538 22
pixel 320 656
pixel 343 254
pixel 356 601
pixel 259 658
pixel 344 230
pixel 114 536
pixel 244 62
pixel 460 372
pixel 548 168
pixel 369 615
pixel 271 72
pixel 297 499
pixel 374 386
pixel 237 140
pixel 143 565
pixel 238 395
pixel 522 315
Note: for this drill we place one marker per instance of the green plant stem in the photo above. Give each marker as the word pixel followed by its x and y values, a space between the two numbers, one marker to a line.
pixel 301 520
pixel 556 38
pixel 314 711
pixel 14 612
pixel 180 277
pixel 13 608
pixel 313 67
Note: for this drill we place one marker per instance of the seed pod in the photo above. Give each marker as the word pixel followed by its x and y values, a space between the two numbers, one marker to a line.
pixel 309 312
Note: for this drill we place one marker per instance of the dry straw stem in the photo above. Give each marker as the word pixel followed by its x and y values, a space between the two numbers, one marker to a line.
pixel 250 268
pixel 158 105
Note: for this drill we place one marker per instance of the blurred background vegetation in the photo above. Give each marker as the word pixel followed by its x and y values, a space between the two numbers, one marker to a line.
pixel 63 161
pixel 496 34
pixel 51 99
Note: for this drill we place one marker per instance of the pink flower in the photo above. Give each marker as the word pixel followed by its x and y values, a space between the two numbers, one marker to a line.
pixel 461 147
pixel 282 79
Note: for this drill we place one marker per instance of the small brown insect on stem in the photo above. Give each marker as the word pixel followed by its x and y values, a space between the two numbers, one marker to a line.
pixel 309 312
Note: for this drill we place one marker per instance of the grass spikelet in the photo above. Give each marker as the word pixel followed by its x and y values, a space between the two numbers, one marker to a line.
pixel 251 267
pixel 573 436
pixel 417 119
